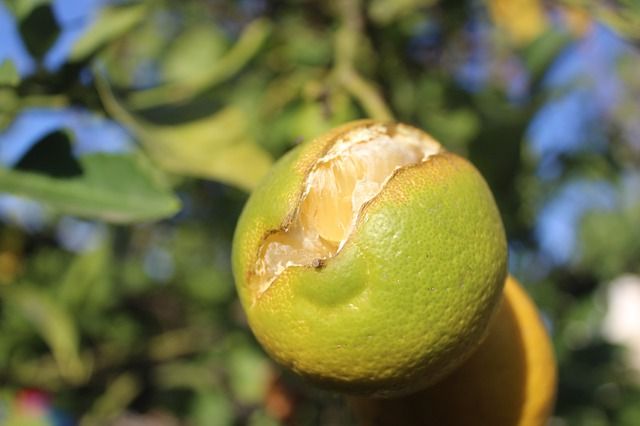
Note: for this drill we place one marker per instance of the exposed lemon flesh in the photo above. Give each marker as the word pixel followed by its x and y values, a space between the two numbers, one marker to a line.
pixel 351 173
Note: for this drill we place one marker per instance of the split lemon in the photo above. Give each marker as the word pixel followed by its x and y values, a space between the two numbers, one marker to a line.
pixel 370 260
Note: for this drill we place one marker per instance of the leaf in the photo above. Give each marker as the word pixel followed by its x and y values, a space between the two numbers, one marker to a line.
pixel 386 11
pixel 55 326
pixel 457 127
pixel 8 74
pixel 22 8
pixel 197 48
pixel 541 52
pixel 114 188
pixel 85 286
pixel 610 242
pixel 304 120
pixel 211 408
pixel 260 417
pixel 249 374
pixel 113 401
pixel 230 64
pixel 623 18
pixel 112 23
pixel 39 30
pixel 218 146
pixel 247 369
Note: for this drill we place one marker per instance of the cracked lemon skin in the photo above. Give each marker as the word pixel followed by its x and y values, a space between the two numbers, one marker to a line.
pixel 411 286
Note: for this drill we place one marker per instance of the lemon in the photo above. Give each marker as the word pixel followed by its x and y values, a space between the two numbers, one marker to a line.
pixel 509 381
pixel 370 260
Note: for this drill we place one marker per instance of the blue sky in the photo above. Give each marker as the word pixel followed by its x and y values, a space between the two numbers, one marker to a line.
pixel 578 120
pixel 91 133
pixel 12 46
pixel 584 89
pixel 73 17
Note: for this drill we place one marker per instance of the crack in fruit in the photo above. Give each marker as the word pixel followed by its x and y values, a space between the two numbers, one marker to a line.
pixel 349 175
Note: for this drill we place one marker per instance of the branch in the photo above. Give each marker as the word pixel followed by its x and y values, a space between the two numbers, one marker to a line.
pixel 346 42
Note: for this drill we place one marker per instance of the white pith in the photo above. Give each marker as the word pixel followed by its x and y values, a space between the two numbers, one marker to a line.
pixel 350 174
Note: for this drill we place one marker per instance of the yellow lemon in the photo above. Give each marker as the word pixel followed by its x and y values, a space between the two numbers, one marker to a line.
pixel 370 260
pixel 509 381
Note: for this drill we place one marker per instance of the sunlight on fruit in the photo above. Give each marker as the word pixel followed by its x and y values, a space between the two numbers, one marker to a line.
pixel 370 260
pixel 509 381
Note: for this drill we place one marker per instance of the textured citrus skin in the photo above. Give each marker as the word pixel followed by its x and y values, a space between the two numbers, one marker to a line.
pixel 408 297
pixel 509 381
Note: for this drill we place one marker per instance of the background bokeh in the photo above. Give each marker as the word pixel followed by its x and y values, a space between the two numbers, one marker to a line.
pixel 132 132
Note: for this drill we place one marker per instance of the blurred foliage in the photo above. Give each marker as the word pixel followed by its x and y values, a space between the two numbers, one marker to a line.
pixel 140 127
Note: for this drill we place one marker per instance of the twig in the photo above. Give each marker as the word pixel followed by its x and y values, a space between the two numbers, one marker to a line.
pixel 347 39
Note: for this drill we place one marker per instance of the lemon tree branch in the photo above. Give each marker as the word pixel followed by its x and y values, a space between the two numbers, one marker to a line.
pixel 346 42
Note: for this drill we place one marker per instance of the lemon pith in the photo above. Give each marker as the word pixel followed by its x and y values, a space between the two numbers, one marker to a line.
pixel 415 281
pixel 351 173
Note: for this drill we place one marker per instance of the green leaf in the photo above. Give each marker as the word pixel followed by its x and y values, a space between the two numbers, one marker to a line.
pixel 248 371
pixel 114 188
pixel 247 46
pixel 218 146
pixel 260 418
pixel 296 51
pixel 39 30
pixel 540 53
pixel 610 242
pixel 22 8
pixel 456 127
pixel 386 11
pixel 304 120
pixel 54 324
pixel 211 408
pixel 198 48
pixel 112 23
pixel 8 74
pixel 85 286
pixel 9 105
pixel 624 18
pixel 114 400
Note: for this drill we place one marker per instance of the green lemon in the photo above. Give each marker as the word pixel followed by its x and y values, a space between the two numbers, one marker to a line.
pixel 510 380
pixel 370 260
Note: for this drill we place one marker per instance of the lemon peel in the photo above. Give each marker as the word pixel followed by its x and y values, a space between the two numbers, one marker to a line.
pixel 380 293
pixel 510 380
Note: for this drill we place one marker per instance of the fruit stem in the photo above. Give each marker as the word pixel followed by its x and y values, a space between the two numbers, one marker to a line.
pixel 347 39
